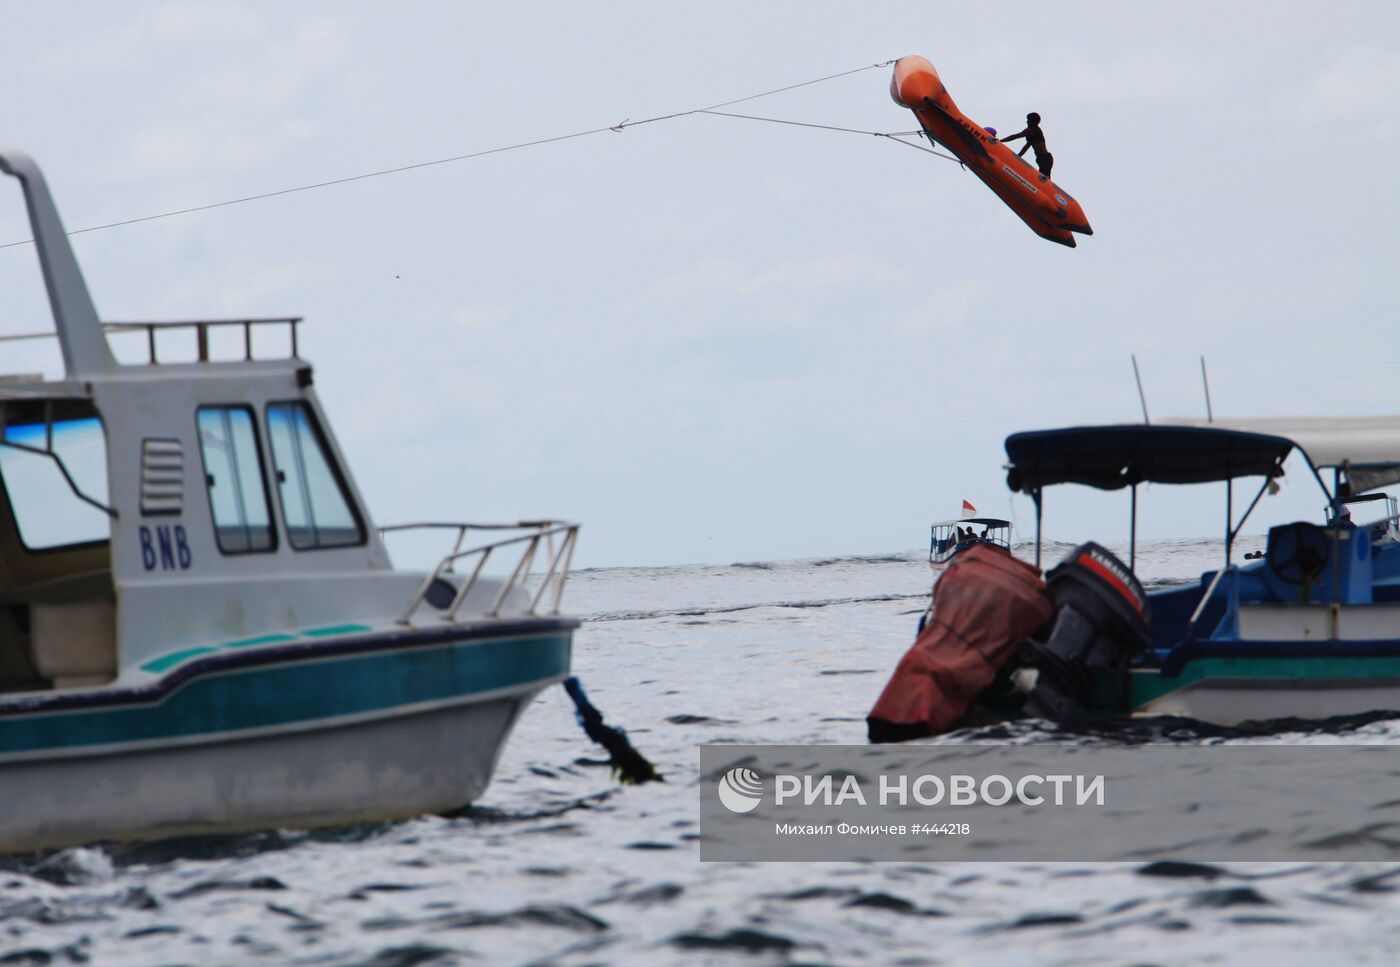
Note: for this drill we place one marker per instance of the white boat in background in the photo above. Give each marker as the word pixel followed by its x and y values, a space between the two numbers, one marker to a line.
pixel 200 627
pixel 947 537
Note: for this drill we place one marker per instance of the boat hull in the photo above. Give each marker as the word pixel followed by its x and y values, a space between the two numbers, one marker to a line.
pixel 361 730
pixel 1234 701
pixel 1231 691
pixel 403 766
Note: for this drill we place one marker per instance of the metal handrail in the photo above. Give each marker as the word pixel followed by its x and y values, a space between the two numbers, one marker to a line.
pixel 200 326
pixel 542 531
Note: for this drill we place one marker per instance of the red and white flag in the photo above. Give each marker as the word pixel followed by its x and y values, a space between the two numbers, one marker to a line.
pixel 968 509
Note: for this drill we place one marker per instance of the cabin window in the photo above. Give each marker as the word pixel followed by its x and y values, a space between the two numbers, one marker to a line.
pixel 49 509
pixel 233 471
pixel 315 507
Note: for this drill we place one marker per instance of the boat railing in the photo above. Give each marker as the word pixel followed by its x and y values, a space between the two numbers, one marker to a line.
pixel 201 329
pixel 557 538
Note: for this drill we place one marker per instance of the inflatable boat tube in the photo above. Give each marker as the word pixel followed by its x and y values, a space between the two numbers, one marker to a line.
pixel 1049 210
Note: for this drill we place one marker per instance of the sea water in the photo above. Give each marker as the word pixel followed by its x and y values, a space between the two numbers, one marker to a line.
pixel 557 864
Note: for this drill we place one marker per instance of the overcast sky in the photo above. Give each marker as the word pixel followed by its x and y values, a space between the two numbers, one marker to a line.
pixel 718 340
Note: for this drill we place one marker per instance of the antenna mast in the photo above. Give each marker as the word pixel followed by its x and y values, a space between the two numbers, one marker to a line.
pixel 1142 397
pixel 1205 382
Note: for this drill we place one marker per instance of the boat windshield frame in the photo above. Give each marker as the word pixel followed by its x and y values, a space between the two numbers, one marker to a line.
pixel 49 414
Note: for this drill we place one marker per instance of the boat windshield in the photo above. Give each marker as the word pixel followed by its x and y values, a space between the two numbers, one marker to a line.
pixel 48 512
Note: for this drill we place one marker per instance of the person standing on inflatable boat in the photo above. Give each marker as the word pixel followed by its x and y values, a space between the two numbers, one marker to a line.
pixel 1035 138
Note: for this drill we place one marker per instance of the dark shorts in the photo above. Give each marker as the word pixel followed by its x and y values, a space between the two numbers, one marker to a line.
pixel 1044 160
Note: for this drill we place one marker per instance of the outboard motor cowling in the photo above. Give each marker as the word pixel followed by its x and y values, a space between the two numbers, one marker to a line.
pixel 1102 620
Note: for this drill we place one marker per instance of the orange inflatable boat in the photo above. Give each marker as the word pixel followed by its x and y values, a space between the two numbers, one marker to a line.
pixel 1048 209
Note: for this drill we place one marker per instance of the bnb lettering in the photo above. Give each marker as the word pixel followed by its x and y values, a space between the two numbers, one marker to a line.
pixel 165 548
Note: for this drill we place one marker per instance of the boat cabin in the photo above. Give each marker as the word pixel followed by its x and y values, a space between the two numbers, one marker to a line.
pixel 156 504
pixel 176 489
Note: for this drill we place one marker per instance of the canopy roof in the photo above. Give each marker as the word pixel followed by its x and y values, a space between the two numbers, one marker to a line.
pixel 982 521
pixel 1367 448
pixel 1112 457
pixel 1182 450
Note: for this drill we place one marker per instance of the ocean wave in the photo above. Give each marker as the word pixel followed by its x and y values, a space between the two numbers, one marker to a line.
pixel 603 616
pixel 1160 730
pixel 904 558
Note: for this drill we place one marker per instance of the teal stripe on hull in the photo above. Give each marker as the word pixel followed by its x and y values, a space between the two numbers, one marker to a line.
pixel 300 692
pixel 1147 686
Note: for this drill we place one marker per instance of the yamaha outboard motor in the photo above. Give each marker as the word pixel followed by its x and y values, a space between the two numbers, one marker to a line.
pixel 1101 622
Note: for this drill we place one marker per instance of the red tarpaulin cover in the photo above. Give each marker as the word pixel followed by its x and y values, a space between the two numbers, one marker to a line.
pixel 985 604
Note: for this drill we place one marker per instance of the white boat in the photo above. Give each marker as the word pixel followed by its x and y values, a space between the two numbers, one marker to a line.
pixel 200 627
pixel 947 537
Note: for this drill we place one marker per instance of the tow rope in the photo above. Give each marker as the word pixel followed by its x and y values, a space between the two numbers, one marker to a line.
pixel 628 765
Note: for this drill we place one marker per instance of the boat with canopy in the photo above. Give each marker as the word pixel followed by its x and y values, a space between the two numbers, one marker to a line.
pixel 1309 629
pixel 947 537
pixel 1312 629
